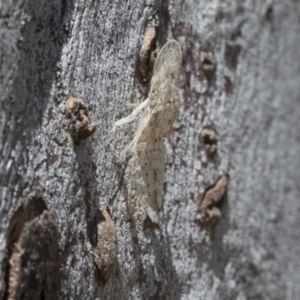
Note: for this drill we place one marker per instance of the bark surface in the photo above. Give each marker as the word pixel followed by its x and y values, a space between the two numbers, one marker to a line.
pixel 240 80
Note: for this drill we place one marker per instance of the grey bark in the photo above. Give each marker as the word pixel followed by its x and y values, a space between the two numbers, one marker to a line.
pixel 51 49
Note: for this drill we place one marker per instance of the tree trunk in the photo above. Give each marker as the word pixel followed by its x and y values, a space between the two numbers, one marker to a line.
pixel 229 225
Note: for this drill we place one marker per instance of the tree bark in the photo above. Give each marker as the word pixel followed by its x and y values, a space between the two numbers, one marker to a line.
pixel 229 225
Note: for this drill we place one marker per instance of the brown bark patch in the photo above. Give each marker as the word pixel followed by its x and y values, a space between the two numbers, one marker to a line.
pixel 210 205
pixel 149 50
pixel 105 253
pixel 77 111
pixel 33 253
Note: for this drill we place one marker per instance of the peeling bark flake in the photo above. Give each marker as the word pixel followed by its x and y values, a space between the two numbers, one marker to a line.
pixel 105 253
pixel 212 199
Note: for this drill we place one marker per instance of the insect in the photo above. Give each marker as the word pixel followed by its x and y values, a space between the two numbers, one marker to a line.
pixel 147 166
pixel 162 105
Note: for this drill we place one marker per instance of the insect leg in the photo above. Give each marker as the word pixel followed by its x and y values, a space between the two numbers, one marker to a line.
pixel 132 116
pixel 132 105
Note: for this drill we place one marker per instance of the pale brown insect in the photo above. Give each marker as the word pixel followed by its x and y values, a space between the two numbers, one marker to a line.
pixel 162 105
pixel 147 166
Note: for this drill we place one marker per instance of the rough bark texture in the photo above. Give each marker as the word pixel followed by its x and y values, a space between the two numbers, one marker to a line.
pixel 248 93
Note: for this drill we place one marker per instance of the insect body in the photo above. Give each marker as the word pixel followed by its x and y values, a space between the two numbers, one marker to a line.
pixel 147 166
pixel 162 105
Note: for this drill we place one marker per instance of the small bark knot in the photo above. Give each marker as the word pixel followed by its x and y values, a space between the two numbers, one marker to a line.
pixel 208 62
pixel 77 111
pixel 208 138
pixel 212 200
